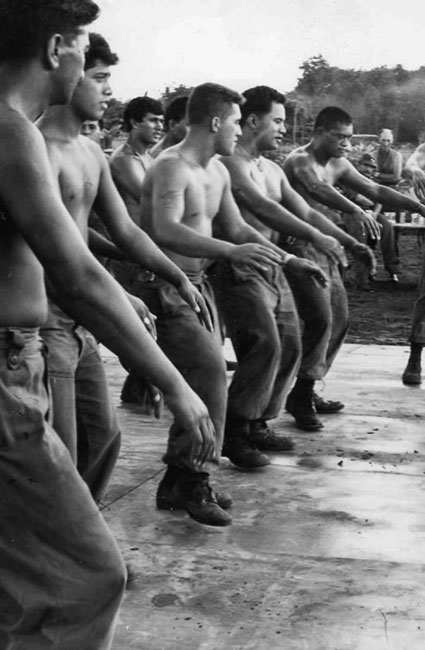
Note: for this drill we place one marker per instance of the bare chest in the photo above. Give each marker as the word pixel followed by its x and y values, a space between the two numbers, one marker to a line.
pixel 266 178
pixel 79 184
pixel 203 195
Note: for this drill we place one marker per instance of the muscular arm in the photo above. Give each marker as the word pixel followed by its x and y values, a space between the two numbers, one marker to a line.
pixel 379 193
pixel 232 224
pixel 249 195
pixel 415 169
pixel 307 178
pixel 101 246
pixel 136 244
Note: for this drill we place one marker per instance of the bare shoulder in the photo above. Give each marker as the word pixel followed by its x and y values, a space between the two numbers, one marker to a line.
pixel 296 157
pixel 271 167
pixel 169 170
pixel 20 139
pixel 219 172
pixel 235 163
pixel 119 158
pixel 92 149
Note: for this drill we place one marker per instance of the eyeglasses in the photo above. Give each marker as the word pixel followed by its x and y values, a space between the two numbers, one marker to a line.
pixel 341 136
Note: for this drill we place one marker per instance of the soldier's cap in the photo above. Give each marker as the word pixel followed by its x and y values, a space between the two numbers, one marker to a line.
pixel 368 159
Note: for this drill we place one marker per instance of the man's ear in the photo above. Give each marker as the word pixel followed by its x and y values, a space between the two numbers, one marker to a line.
pixel 215 124
pixel 135 124
pixel 53 51
pixel 252 120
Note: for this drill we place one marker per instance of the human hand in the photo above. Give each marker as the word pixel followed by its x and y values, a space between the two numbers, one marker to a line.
pixel 148 319
pixel 256 255
pixel 368 223
pixel 195 440
pixel 332 248
pixel 196 301
pixel 302 268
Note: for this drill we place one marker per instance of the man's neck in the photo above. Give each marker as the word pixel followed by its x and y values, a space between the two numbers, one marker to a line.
pixel 198 146
pixel 248 146
pixel 25 89
pixel 62 122
pixel 318 152
pixel 137 145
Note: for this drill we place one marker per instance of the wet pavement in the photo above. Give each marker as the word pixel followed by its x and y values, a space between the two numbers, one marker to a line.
pixel 327 546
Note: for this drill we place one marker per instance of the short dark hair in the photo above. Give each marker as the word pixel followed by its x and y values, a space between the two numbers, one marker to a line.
pixel 176 110
pixel 259 100
pixel 138 107
pixel 99 50
pixel 27 25
pixel 330 116
pixel 211 100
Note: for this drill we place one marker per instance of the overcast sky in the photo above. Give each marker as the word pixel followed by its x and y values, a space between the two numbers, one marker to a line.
pixel 242 43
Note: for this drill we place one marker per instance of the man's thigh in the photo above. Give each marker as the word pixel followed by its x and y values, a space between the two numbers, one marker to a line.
pixel 55 548
pixel 63 351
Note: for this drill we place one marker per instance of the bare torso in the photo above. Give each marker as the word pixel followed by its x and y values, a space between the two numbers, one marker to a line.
pixel 200 190
pixel 23 301
pixel 268 178
pixel 77 170
pixel 328 173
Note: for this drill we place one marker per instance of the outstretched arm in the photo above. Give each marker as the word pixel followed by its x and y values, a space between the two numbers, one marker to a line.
pixel 232 224
pixel 380 193
pixel 101 246
pixel 322 192
pixel 252 197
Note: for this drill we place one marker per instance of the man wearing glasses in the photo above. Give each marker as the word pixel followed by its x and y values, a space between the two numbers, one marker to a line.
pixel 315 170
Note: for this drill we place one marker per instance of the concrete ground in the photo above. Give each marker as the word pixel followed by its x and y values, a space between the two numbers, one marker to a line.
pixel 327 547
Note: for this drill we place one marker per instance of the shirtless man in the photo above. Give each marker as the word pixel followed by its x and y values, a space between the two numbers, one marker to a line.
pixel 258 319
pixel 314 170
pixel 187 193
pixel 389 161
pixel 175 125
pixel 80 394
pixel 412 375
pixel 144 121
pixel 61 574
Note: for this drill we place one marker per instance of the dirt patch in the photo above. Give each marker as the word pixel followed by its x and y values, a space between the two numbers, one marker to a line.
pixel 382 316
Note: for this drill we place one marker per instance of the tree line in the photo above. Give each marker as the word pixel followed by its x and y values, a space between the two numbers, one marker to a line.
pixel 383 97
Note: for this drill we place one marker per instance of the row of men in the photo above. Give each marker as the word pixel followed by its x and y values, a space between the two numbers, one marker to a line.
pixel 62 575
